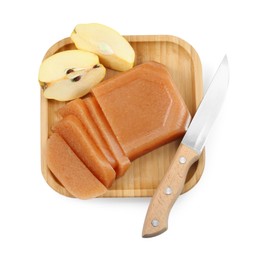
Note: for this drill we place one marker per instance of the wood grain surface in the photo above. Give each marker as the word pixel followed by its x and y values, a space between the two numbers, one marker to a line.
pixel 146 172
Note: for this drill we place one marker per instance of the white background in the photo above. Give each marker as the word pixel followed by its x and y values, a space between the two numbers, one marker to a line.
pixel 225 216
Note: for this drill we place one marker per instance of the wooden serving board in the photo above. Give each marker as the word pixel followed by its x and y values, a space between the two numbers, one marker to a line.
pixel 146 172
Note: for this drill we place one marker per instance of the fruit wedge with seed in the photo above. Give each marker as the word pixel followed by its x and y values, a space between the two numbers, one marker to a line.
pixel 70 74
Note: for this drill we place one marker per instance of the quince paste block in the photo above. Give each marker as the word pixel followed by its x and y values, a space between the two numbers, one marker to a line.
pixel 143 108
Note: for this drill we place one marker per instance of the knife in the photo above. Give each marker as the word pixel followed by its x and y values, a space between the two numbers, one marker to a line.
pixel 171 186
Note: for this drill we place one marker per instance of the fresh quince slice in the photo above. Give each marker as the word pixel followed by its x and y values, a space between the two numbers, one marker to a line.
pixel 70 74
pixel 113 49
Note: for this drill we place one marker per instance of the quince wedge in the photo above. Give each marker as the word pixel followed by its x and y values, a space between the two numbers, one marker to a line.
pixel 113 49
pixel 70 74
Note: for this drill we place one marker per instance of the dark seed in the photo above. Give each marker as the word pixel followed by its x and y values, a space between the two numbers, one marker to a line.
pixel 96 66
pixel 69 71
pixel 76 79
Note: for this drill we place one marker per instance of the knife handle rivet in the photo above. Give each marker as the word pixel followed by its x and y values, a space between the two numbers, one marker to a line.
pixel 182 160
pixel 155 222
pixel 168 190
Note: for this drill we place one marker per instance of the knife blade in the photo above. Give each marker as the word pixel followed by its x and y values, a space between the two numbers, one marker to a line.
pixel 171 186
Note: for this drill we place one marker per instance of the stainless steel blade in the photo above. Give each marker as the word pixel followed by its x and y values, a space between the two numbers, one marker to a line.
pixel 208 110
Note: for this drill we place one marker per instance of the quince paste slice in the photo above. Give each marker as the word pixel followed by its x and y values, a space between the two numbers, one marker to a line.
pixel 71 171
pixel 122 160
pixel 77 108
pixel 72 131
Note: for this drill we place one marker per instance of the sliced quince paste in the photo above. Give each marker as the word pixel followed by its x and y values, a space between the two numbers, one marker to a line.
pixel 71 171
pixel 122 161
pixel 78 108
pixel 143 108
pixel 123 118
pixel 72 131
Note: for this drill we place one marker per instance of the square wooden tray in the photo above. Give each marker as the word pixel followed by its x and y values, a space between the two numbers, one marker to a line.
pixel 145 173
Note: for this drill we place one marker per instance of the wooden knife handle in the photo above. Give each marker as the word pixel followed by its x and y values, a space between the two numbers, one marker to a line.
pixel 170 187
